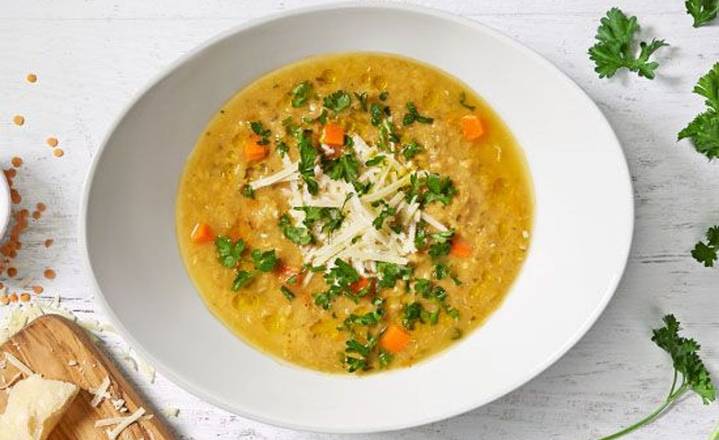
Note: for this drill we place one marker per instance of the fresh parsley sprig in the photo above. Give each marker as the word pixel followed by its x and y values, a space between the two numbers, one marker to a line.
pixel 614 49
pixel 687 366
pixel 703 131
pixel 413 115
pixel 703 11
pixel 706 253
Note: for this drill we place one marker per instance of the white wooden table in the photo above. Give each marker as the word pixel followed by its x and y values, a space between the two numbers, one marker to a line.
pixel 92 56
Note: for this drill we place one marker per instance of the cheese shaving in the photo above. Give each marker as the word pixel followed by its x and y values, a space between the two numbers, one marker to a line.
pixel 100 393
pixel 124 424
pixel 15 362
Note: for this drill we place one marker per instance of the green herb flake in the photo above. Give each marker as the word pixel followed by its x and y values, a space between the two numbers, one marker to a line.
pixel 264 261
pixel 264 133
pixel 384 358
pixel 282 148
pixel 248 191
pixel 409 151
pixel 463 102
pixel 242 279
pixel 375 161
pixel 384 95
pixel 413 115
pixel 614 48
pixel 362 98
pixel 301 93
pixel 287 293
pixel 295 234
pixel 306 164
pixel 229 253
pixel 338 101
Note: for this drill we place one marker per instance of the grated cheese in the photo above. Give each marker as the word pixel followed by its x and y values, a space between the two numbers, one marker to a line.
pixel 100 393
pixel 124 424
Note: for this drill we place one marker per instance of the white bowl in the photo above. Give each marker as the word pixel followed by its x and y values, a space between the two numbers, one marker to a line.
pixel 5 205
pixel 581 239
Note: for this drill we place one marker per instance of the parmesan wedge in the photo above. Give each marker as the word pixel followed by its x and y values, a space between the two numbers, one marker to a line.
pixel 34 407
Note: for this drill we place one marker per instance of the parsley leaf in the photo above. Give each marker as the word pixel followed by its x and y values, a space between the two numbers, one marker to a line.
pixel 376 114
pixel 412 149
pixel 346 168
pixel 441 245
pixel 377 160
pixel 362 98
pixel 704 129
pixel 430 188
pixel 229 253
pixel 384 358
pixel 295 234
pixel 463 102
pixel 411 313
pixel 282 148
pixel 389 273
pixel 337 101
pixel 386 212
pixel 384 95
pixel 340 279
pixel 614 49
pixel 687 364
pixel 355 363
pixel 306 164
pixel 330 218
pixel 703 11
pixel 264 261
pixel 261 131
pixel 248 191
pixel 287 293
pixel 706 253
pixel 301 93
pixel 242 279
pixel 413 115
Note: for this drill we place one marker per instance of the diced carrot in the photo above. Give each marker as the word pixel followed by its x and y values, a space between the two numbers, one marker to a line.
pixel 253 150
pixel 460 248
pixel 360 284
pixel 472 127
pixel 202 233
pixel 394 339
pixel 285 272
pixel 333 135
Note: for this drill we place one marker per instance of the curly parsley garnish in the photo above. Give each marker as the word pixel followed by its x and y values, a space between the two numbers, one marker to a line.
pixel 295 234
pixel 706 253
pixel 306 165
pixel 264 261
pixel 412 149
pixel 703 11
pixel 261 131
pixel 614 49
pixel 330 219
pixel 687 364
pixel 704 129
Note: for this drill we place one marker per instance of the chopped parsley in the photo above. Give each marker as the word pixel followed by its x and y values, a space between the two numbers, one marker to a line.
pixel 229 253
pixel 291 129
pixel 384 358
pixel 386 213
pixel 248 191
pixel 368 319
pixel 614 49
pixel 282 148
pixel 432 188
pixel 441 271
pixel 301 93
pixel 338 101
pixel 339 279
pixel 264 261
pixel 687 364
pixel 703 11
pixel 306 164
pixel 346 168
pixel 706 253
pixel 287 293
pixel 264 133
pixel 411 313
pixel 362 98
pixel 384 95
pixel 387 134
pixel 409 151
pixel 463 102
pixel 390 273
pixel 330 219
pixel 356 357
pixel 377 160
pixel 413 116
pixel 242 279
pixel 703 131
pixel 441 244
pixel 376 114
pixel 296 234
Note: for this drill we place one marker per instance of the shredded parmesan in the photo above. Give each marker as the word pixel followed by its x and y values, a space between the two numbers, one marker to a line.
pixel 124 424
pixel 100 393
pixel 15 362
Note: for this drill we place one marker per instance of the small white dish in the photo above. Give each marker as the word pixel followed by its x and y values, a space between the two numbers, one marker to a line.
pixel 581 237
pixel 5 205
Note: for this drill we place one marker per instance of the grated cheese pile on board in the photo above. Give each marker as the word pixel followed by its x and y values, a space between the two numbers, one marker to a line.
pixel 358 241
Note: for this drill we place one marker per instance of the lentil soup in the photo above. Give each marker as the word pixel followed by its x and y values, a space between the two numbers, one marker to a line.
pixel 354 212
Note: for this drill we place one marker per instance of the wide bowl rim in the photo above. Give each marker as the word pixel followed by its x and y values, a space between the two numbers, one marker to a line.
pixel 187 385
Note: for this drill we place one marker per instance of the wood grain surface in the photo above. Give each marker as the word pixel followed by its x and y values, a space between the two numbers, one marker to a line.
pixel 59 349
pixel 91 57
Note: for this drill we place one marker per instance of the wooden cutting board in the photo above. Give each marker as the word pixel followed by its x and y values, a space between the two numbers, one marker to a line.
pixel 59 349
